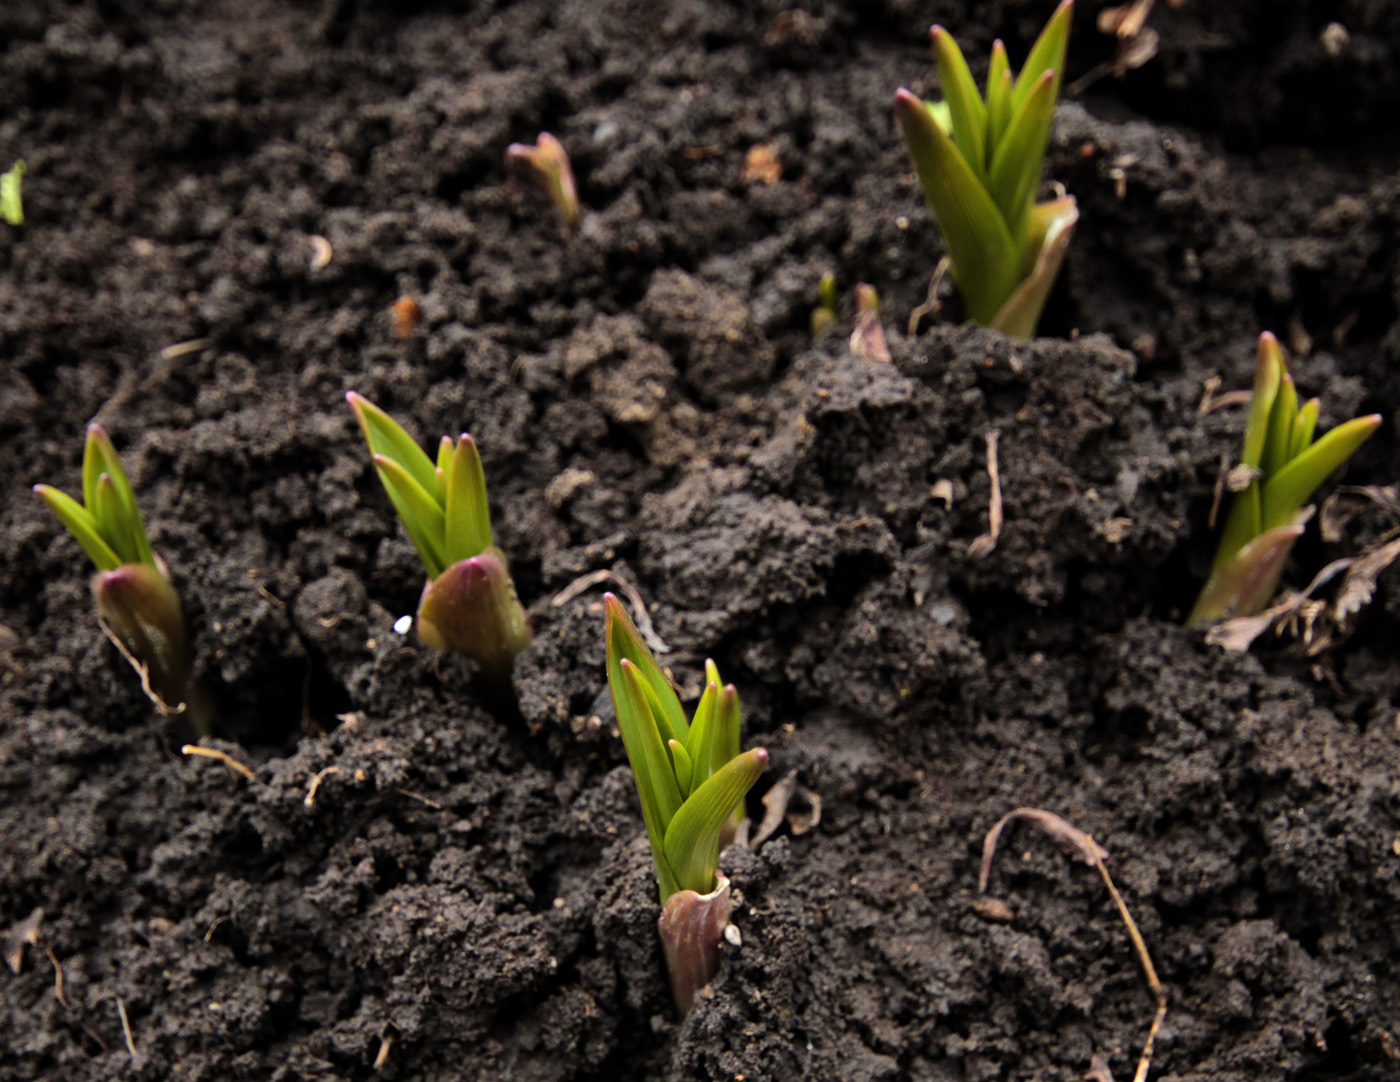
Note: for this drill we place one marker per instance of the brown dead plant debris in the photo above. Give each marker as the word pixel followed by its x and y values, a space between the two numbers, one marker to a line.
pixel 1081 846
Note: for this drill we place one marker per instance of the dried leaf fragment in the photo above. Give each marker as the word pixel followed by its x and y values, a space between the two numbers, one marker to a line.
pixel 22 934
pixel 761 165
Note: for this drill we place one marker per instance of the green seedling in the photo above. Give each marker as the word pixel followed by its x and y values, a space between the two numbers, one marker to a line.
pixel 11 208
pixel 469 604
pixel 826 313
pixel 691 778
pixel 136 604
pixel 549 162
pixel 979 162
pixel 1283 465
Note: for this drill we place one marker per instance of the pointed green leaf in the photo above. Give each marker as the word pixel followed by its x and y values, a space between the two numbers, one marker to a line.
pixel 99 457
pixel 1286 491
pixel 468 515
pixel 386 437
pixel 998 97
pixel 1303 427
pixel 1047 54
pixel 703 734
pixel 1246 584
pixel 421 515
pixel 1018 157
pixel 623 635
pixel 1268 376
pixel 982 257
pixel 728 718
pixel 692 839
pixel 682 765
pixel 81 525
pixel 95 462
pixel 966 111
pixel 446 448
pixel 113 522
pixel 1279 440
pixel 651 764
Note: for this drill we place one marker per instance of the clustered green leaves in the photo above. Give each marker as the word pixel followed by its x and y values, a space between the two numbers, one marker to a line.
pixel 442 505
pixel 138 608
pixel 691 776
pixel 1286 465
pixel 107 523
pixel 469 603
pixel 979 162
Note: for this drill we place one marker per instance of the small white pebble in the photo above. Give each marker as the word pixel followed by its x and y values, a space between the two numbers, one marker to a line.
pixel 732 936
pixel 402 624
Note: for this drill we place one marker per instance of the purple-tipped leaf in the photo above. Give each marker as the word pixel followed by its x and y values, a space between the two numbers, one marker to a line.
pixel 692 836
pixel 1047 54
pixel 550 163
pixel 140 613
pixel 966 111
pixel 998 94
pixel 625 641
pixel 1016 160
pixel 983 258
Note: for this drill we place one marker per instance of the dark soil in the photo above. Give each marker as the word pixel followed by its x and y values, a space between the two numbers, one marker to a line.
pixel 468 894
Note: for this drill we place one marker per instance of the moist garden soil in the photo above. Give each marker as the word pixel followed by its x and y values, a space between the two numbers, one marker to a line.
pixel 418 882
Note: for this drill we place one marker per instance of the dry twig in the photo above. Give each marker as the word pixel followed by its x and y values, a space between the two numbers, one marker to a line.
pixel 1080 845
pixel 983 545
pixel 634 598
pixel 222 756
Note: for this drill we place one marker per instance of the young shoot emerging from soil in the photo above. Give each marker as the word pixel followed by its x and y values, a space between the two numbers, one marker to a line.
pixel 979 161
pixel 549 162
pixel 469 603
pixel 136 605
pixel 1282 465
pixel 691 778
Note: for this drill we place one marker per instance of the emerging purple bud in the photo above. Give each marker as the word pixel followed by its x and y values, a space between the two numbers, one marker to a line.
pixel 140 612
pixel 472 608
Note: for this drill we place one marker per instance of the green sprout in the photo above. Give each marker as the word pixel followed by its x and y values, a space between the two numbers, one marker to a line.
pixel 1283 465
pixel 136 605
pixel 11 208
pixel 979 162
pixel 826 313
pixel 691 778
pixel 549 162
pixel 469 603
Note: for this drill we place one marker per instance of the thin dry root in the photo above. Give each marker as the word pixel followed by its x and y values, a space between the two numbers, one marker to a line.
pixel 1079 844
pixel 983 545
pixel 223 757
